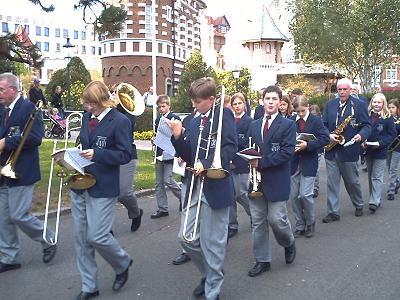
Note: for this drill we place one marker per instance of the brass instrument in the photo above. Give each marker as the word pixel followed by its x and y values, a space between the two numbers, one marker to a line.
pixel 130 99
pixel 255 180
pixel 215 172
pixel 8 169
pixel 339 130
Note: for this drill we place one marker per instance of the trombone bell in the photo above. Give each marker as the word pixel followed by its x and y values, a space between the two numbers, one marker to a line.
pixel 8 171
pixel 81 181
pixel 216 173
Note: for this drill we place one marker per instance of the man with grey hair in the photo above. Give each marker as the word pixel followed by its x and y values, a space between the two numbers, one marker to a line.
pixel 16 193
pixel 341 160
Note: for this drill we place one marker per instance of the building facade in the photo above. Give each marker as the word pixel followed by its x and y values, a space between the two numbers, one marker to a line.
pixel 128 58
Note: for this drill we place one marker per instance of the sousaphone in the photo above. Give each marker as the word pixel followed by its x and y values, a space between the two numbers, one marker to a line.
pixel 130 99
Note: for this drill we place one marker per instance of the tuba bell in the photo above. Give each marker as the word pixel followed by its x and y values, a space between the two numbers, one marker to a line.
pixel 130 99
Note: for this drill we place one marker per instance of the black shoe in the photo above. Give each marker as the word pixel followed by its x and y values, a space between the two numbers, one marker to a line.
pixel 310 230
pixel 232 232
pixel 181 259
pixel 298 233
pixel 137 221
pixel 159 214
pixel 49 253
pixel 315 194
pixel 112 232
pixel 396 189
pixel 330 218
pixel 290 253
pixel 86 295
pixel 121 279
pixel 358 212
pixel 8 267
pixel 390 197
pixel 373 208
pixel 199 292
pixel 259 268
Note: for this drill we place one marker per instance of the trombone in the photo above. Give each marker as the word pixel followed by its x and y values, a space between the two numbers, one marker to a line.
pixel 255 179
pixel 214 172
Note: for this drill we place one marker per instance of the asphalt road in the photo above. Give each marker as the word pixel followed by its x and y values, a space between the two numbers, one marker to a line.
pixel 355 258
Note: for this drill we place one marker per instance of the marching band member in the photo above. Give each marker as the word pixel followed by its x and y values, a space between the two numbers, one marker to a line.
pixel 382 134
pixel 276 138
pixel 240 171
pixel 342 161
pixel 285 107
pixel 393 158
pixel 304 166
pixel 106 138
pixel 164 164
pixel 16 194
pixel 207 251
pixel 315 110
pixel 259 110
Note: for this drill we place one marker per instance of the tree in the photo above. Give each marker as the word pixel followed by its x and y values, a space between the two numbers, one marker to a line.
pixel 243 82
pixel 355 36
pixel 193 69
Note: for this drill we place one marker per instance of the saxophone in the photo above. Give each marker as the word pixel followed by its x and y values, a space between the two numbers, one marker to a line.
pixel 339 130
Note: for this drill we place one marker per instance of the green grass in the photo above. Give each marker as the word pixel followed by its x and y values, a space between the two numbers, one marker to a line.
pixel 144 178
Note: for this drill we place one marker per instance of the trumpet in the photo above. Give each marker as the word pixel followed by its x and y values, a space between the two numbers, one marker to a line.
pixel 214 172
pixel 255 179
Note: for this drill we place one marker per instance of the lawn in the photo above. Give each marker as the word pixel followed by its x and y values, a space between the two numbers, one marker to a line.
pixel 144 179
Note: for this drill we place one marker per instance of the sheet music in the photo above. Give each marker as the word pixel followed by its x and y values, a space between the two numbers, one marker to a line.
pixel 305 137
pixel 178 168
pixel 163 139
pixel 70 159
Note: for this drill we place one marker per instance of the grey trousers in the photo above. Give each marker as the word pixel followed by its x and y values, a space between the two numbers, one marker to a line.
pixel 208 249
pixel 93 219
pixel 316 183
pixel 15 203
pixel 264 214
pixel 393 160
pixel 164 178
pixel 126 193
pixel 349 171
pixel 301 196
pixel 376 171
pixel 241 186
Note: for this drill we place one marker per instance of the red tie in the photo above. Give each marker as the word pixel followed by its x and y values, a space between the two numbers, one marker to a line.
pixel 265 129
pixel 301 124
pixel 237 120
pixel 203 121
pixel 92 124
pixel 6 117
pixel 374 118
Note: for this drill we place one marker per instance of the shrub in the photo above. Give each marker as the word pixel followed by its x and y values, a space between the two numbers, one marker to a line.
pixel 145 135
pixel 144 122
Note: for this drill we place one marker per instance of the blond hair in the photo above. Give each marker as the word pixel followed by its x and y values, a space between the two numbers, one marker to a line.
pixel 385 113
pixel 96 92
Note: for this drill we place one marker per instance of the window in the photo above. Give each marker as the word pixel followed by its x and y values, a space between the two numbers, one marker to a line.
pixel 38 45
pixel 169 13
pixel 277 3
pixel 65 33
pixel 27 28
pixel 16 26
pixel 256 46
pixel 222 28
pixel 58 47
pixel 83 35
pixel 46 31
pixel 46 46
pixel 76 34
pixel 147 18
pixel 38 30
pixel 83 49
pixel 93 50
pixel 57 32
pixel 99 50
pixel 391 73
pixel 267 48
pixel 4 26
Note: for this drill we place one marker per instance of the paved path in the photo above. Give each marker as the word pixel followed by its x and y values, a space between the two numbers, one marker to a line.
pixel 356 258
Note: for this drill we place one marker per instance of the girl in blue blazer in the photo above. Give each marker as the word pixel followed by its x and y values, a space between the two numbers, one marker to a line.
pixel 393 157
pixel 382 134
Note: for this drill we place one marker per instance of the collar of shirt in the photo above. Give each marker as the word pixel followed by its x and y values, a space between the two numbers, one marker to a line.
pixel 166 114
pixel 272 118
pixel 196 114
pixel 206 114
pixel 11 106
pixel 240 116
pixel 377 113
pixel 304 118
pixel 103 114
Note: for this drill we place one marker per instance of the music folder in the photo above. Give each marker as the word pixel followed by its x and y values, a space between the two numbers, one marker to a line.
pixel 305 137
pixel 71 160
pixel 249 154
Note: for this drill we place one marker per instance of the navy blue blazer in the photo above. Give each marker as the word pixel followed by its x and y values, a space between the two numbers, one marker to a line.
pixel 397 149
pixel 308 158
pixel 361 124
pixel 241 165
pixel 276 151
pixel 27 167
pixel 170 116
pixel 384 132
pixel 218 192
pixel 259 112
pixel 111 141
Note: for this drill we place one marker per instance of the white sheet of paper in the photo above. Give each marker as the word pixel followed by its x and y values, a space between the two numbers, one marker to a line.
pixel 305 137
pixel 163 137
pixel 178 168
pixel 248 157
pixel 372 144
pixel 71 159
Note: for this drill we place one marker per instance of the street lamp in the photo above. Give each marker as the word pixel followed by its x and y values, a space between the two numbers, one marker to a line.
pixel 68 46
pixel 236 75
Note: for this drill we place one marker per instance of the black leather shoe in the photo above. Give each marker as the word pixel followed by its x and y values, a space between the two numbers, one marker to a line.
pixel 8 267
pixel 259 268
pixel 315 194
pixel 330 218
pixel 390 197
pixel 159 214
pixel 310 230
pixel 232 232
pixel 290 253
pixel 199 292
pixel 396 189
pixel 298 233
pixel 49 253
pixel 358 212
pixel 86 295
pixel 373 208
pixel 137 221
pixel 121 279
pixel 181 259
